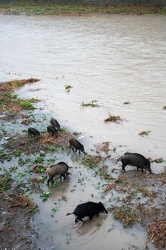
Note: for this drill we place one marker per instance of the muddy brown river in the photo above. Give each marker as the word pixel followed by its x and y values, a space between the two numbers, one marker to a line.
pixel 115 61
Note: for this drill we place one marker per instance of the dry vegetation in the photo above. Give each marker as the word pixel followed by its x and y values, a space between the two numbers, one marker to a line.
pixel 156 232
pixel 113 118
pixel 11 85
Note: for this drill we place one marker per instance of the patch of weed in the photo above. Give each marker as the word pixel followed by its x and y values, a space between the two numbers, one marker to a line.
pixel 39 159
pixel 92 104
pixel 68 88
pixel 126 103
pixel 91 161
pixel 54 208
pixel 124 214
pixel 159 160
pixel 146 133
pixel 17 152
pixel 45 195
pixel 26 105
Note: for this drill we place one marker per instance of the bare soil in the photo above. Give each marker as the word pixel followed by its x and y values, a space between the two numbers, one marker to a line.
pixel 15 229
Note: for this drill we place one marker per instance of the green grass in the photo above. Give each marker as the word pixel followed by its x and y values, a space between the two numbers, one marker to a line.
pixel 44 7
pixel 26 105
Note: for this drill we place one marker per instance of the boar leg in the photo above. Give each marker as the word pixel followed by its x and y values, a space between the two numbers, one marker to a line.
pixel 123 167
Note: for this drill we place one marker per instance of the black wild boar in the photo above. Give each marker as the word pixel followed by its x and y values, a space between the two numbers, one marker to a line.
pixel 88 209
pixel 134 159
pixel 74 144
pixel 33 132
pixel 52 130
pixel 55 123
pixel 60 168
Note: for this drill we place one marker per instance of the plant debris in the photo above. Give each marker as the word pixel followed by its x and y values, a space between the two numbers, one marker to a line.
pixel 159 160
pixel 103 147
pixel 92 104
pixel 146 133
pixel 156 232
pixel 113 118
pixel 68 88
pixel 109 187
pixel 22 201
pixel 92 161
pixel 11 85
pixel 125 214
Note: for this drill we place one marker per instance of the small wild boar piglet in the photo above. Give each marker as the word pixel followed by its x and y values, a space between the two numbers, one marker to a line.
pixel 36 181
pixel 55 123
pixel 88 209
pixel 52 130
pixel 76 145
pixel 33 132
pixel 60 168
pixel 134 159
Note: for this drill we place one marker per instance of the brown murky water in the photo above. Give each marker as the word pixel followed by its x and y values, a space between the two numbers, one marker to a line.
pixel 111 59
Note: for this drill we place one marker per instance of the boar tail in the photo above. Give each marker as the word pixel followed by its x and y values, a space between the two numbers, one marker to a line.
pixel 118 159
pixel 69 214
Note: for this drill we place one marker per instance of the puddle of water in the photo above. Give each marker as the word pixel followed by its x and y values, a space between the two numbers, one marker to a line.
pixel 111 59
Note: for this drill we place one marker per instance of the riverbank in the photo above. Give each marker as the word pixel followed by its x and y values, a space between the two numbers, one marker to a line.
pixel 50 8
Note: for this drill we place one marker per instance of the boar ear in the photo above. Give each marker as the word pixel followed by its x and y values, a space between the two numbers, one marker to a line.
pixel 100 202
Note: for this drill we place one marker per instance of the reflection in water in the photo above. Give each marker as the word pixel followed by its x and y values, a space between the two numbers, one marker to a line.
pixel 91 227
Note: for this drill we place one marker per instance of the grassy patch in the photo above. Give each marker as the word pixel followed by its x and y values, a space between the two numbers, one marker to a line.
pixel 26 105
pixel 48 7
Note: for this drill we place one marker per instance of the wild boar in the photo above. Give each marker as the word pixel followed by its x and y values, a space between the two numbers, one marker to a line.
pixel 76 145
pixel 88 209
pixel 60 168
pixel 55 123
pixel 36 181
pixel 52 130
pixel 33 132
pixel 134 159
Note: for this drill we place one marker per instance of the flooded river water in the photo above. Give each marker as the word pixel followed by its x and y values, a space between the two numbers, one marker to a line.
pixel 118 61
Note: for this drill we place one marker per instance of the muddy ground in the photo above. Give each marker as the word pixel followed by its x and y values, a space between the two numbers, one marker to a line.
pixel 17 208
